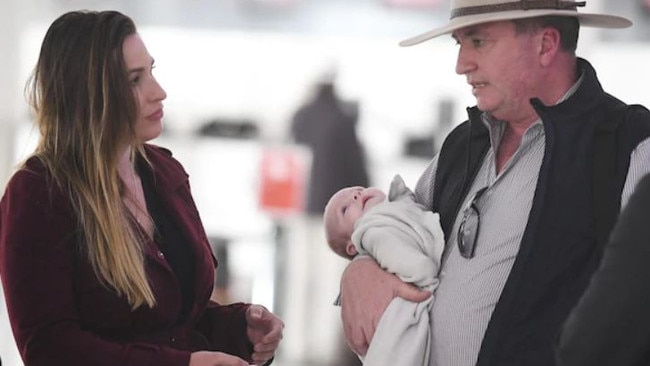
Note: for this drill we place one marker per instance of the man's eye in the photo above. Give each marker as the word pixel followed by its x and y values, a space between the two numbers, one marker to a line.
pixel 477 42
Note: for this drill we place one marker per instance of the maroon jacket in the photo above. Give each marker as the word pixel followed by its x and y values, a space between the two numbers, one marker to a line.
pixel 62 315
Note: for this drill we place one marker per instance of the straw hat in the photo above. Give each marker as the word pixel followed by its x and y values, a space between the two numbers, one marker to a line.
pixel 471 12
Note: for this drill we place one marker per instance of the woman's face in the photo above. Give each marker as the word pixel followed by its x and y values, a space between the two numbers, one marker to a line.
pixel 148 93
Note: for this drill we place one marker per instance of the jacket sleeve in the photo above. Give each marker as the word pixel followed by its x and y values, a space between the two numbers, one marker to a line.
pixel 224 327
pixel 610 325
pixel 37 261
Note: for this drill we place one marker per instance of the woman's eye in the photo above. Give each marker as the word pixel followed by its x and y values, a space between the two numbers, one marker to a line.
pixel 135 80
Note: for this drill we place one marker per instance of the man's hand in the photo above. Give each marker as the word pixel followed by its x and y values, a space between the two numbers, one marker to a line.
pixel 264 331
pixel 366 291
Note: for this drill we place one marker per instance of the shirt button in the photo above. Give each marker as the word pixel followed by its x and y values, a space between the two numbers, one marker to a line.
pixel 173 340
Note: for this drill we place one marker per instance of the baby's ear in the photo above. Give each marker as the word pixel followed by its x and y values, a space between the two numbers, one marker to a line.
pixel 350 248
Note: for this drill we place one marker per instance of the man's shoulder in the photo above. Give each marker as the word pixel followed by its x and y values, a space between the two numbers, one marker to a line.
pixel 632 122
pixel 638 113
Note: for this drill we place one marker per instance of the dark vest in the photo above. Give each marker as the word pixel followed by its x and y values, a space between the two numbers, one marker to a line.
pixel 559 250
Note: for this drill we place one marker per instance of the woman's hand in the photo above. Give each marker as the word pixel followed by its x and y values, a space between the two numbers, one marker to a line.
pixel 264 331
pixel 206 358
pixel 366 291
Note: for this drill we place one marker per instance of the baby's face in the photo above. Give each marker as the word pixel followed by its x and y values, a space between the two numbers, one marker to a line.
pixel 347 205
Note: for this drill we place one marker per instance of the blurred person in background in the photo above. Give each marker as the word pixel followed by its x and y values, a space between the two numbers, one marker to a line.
pixel 610 326
pixel 327 125
pixel 103 257
pixel 527 167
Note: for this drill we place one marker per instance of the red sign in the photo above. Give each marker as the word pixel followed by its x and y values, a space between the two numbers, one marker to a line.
pixel 282 180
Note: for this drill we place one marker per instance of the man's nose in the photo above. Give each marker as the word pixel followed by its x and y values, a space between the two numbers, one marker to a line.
pixel 464 64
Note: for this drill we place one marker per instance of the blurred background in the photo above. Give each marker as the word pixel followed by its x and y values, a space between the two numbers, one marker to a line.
pixel 261 95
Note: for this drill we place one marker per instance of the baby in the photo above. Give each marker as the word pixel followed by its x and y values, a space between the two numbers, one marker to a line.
pixel 406 239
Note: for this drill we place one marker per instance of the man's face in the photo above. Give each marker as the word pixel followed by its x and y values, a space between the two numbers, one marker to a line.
pixel 501 66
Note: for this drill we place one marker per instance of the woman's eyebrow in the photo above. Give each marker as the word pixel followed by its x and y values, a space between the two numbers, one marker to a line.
pixel 140 69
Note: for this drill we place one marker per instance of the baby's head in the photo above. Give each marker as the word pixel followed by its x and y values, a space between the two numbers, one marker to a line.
pixel 342 211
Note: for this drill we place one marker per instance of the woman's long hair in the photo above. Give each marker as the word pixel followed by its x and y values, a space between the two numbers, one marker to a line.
pixel 85 111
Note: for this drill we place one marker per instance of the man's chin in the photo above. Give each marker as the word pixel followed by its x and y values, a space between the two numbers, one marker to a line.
pixel 484 107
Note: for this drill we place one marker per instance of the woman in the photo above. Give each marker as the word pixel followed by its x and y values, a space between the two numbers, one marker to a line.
pixel 103 257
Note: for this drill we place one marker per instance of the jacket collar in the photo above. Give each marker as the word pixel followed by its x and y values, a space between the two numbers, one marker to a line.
pixel 586 97
pixel 167 171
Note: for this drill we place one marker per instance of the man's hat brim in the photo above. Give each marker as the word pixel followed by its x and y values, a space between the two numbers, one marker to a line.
pixel 586 19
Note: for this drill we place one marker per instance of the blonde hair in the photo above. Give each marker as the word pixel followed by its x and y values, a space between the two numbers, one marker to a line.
pixel 85 112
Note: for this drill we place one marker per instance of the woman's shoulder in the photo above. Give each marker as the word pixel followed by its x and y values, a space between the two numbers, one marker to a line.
pixel 31 172
pixel 33 183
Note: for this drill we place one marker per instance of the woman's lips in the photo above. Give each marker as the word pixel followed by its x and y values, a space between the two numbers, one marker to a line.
pixel 155 116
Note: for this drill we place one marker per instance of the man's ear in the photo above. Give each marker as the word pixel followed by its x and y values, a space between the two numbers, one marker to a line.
pixel 350 248
pixel 550 43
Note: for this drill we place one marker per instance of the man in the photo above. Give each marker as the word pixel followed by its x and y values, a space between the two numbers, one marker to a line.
pixel 517 187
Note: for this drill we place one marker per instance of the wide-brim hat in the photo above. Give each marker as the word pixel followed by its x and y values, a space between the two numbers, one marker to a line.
pixel 472 12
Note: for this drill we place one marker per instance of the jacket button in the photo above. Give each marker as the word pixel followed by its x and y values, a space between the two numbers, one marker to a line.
pixel 173 340
pixel 160 254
